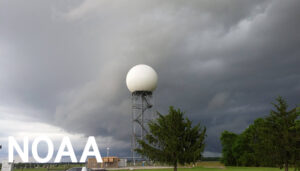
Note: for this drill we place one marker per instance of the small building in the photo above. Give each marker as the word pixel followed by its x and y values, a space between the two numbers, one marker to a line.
pixel 108 162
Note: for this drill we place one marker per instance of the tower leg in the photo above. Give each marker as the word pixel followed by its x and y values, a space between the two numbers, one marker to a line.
pixel 140 104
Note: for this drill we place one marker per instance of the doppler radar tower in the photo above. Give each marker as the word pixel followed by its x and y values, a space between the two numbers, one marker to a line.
pixel 141 81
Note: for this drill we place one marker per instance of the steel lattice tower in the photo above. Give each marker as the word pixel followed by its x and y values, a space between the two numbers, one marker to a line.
pixel 141 115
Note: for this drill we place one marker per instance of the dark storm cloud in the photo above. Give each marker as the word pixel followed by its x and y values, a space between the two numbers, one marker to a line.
pixel 222 62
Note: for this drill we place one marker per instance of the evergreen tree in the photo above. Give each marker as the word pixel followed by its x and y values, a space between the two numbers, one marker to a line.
pixel 296 154
pixel 282 123
pixel 173 140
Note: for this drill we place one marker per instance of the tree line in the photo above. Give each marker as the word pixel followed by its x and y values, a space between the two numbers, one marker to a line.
pixel 272 141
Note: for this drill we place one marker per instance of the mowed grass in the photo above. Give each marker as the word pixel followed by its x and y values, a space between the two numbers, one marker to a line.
pixel 201 166
pixel 217 169
pixel 214 166
pixel 189 169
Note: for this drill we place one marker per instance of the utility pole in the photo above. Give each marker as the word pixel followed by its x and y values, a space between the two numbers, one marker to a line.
pixel 107 151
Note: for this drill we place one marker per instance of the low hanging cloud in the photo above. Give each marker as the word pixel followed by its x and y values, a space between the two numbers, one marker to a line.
pixel 218 100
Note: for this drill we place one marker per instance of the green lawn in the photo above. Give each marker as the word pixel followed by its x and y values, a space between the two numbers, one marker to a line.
pixel 219 169
pixel 200 166
pixel 192 169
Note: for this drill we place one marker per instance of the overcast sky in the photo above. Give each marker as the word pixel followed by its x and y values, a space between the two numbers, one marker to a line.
pixel 63 65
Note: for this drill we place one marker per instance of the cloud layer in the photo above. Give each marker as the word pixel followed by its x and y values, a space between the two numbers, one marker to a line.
pixel 64 63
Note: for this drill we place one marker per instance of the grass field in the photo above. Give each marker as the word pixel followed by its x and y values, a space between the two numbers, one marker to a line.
pixel 201 166
pixel 220 169
pixel 192 169
pixel 216 166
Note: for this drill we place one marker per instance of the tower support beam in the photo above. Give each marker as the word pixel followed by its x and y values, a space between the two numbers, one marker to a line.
pixel 140 117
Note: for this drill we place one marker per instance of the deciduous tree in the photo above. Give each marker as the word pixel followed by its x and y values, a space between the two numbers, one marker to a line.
pixel 227 141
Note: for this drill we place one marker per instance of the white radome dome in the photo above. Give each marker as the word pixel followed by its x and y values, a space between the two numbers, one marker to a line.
pixel 141 78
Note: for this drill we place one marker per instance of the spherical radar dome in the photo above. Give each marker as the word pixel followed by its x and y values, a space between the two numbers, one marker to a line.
pixel 141 78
